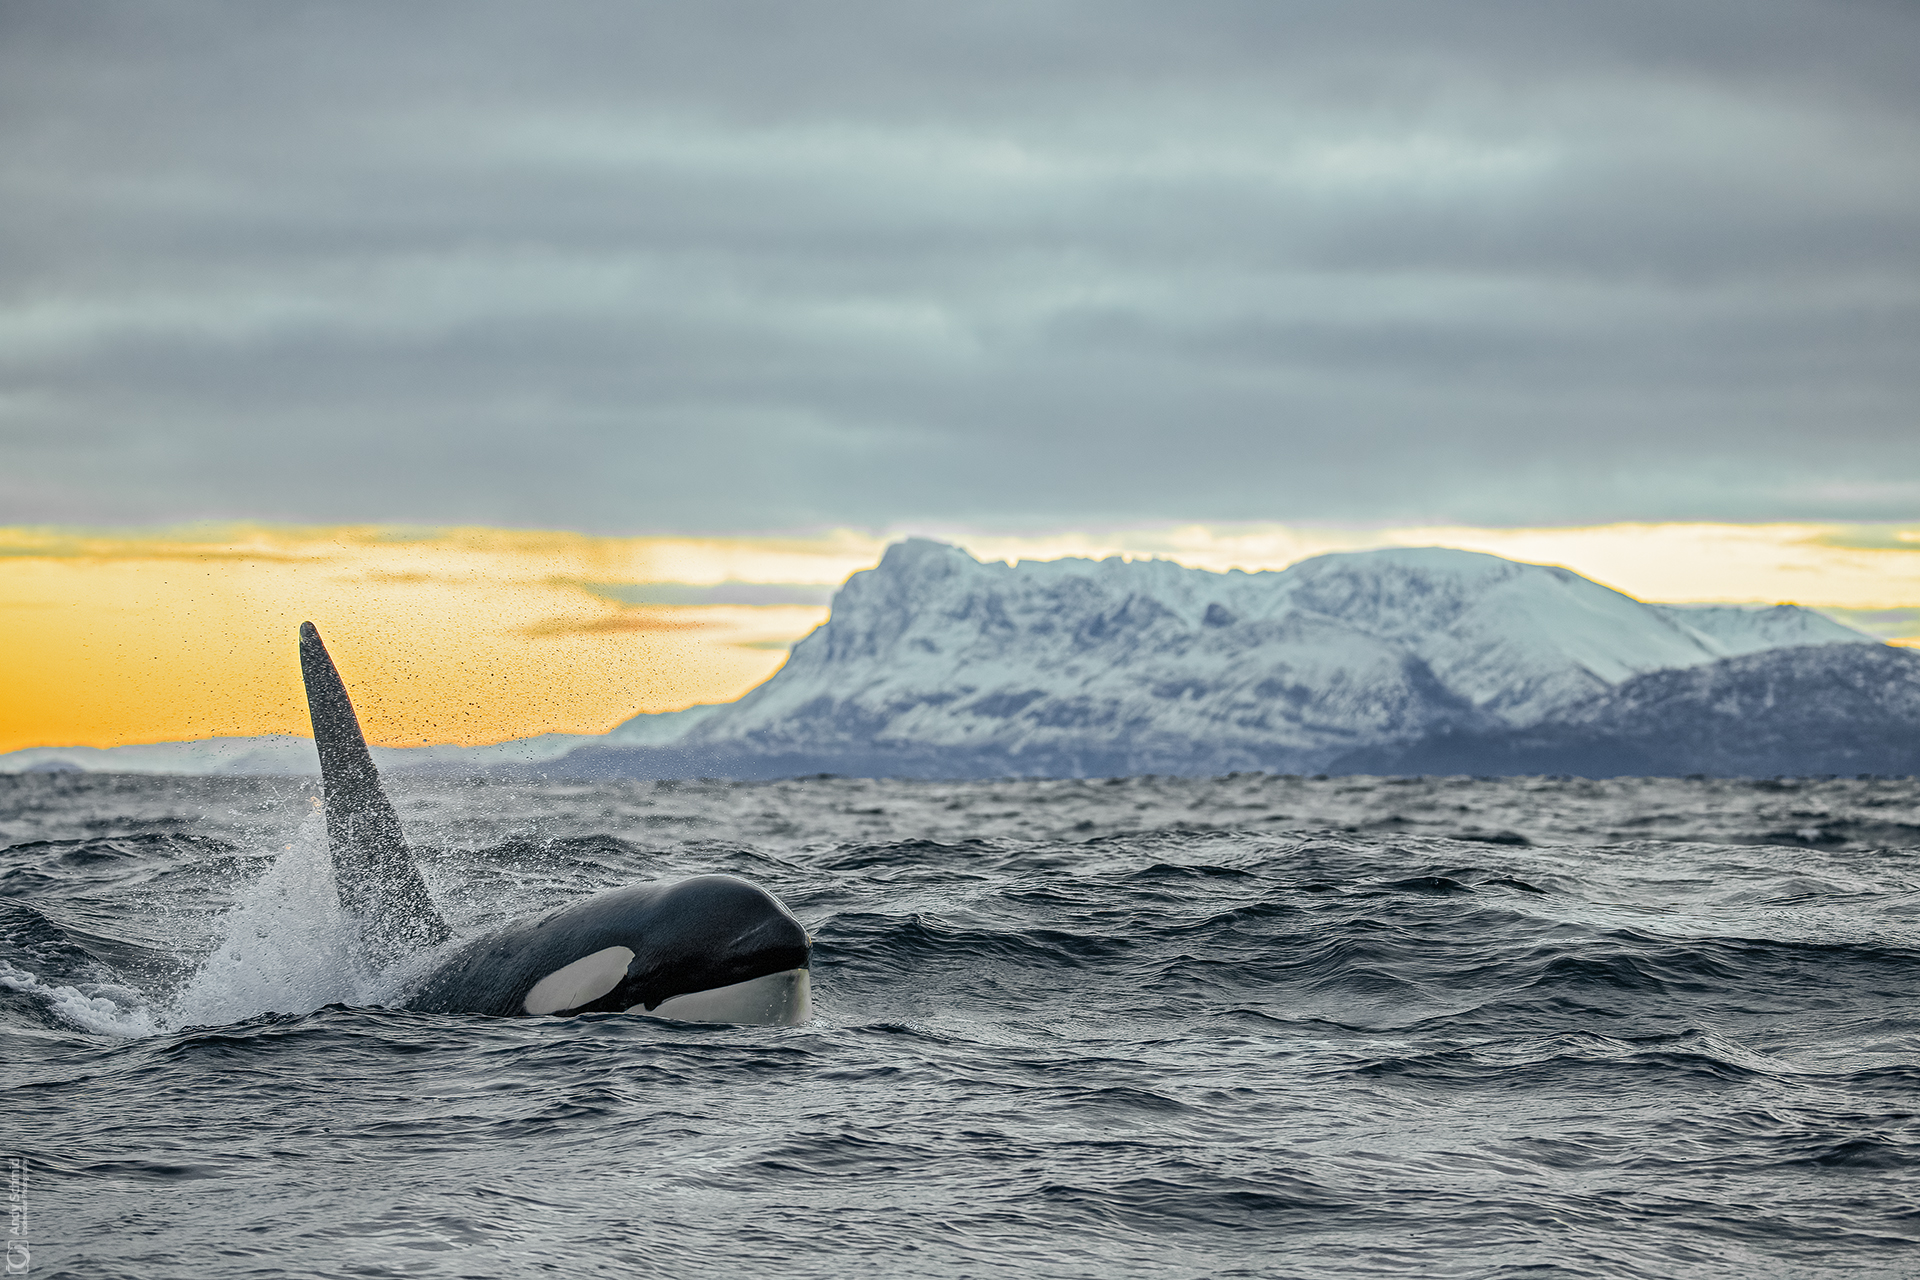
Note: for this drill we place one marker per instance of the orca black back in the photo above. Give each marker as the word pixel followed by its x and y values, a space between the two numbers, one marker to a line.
pixel 694 935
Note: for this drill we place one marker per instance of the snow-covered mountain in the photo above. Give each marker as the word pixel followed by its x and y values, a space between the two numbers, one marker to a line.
pixel 269 754
pixel 933 663
pixel 286 755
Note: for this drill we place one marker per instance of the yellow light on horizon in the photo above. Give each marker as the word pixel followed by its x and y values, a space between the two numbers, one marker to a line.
pixel 466 637
pixel 1820 565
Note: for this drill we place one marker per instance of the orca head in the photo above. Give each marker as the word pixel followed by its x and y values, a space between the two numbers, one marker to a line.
pixel 713 948
pixel 713 932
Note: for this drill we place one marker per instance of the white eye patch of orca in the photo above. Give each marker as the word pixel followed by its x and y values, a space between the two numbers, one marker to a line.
pixel 783 999
pixel 582 982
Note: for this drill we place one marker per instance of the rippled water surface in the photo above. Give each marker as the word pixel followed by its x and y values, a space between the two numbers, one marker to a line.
pixel 1246 1026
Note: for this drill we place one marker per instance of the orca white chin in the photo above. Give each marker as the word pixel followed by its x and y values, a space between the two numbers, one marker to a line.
pixel 774 999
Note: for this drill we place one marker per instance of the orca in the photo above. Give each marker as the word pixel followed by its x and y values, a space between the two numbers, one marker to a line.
pixel 713 948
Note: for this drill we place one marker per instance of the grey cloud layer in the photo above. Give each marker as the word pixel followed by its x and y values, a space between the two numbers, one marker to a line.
pixel 650 267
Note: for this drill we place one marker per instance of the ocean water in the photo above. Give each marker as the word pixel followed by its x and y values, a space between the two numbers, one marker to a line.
pixel 1246 1026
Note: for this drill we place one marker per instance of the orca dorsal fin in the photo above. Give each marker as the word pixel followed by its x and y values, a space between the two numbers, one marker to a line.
pixel 374 874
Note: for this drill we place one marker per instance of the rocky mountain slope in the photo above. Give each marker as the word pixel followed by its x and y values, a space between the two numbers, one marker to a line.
pixel 1825 709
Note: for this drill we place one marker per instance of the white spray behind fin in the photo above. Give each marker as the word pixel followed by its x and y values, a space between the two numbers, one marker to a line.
pixel 286 946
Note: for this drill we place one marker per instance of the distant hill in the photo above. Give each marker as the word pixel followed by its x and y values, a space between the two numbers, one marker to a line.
pixel 1840 709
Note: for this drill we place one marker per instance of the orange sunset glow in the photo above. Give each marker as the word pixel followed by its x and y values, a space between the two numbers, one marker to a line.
pixel 464 636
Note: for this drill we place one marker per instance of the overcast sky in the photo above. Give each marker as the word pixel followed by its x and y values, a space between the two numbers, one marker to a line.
pixel 629 267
